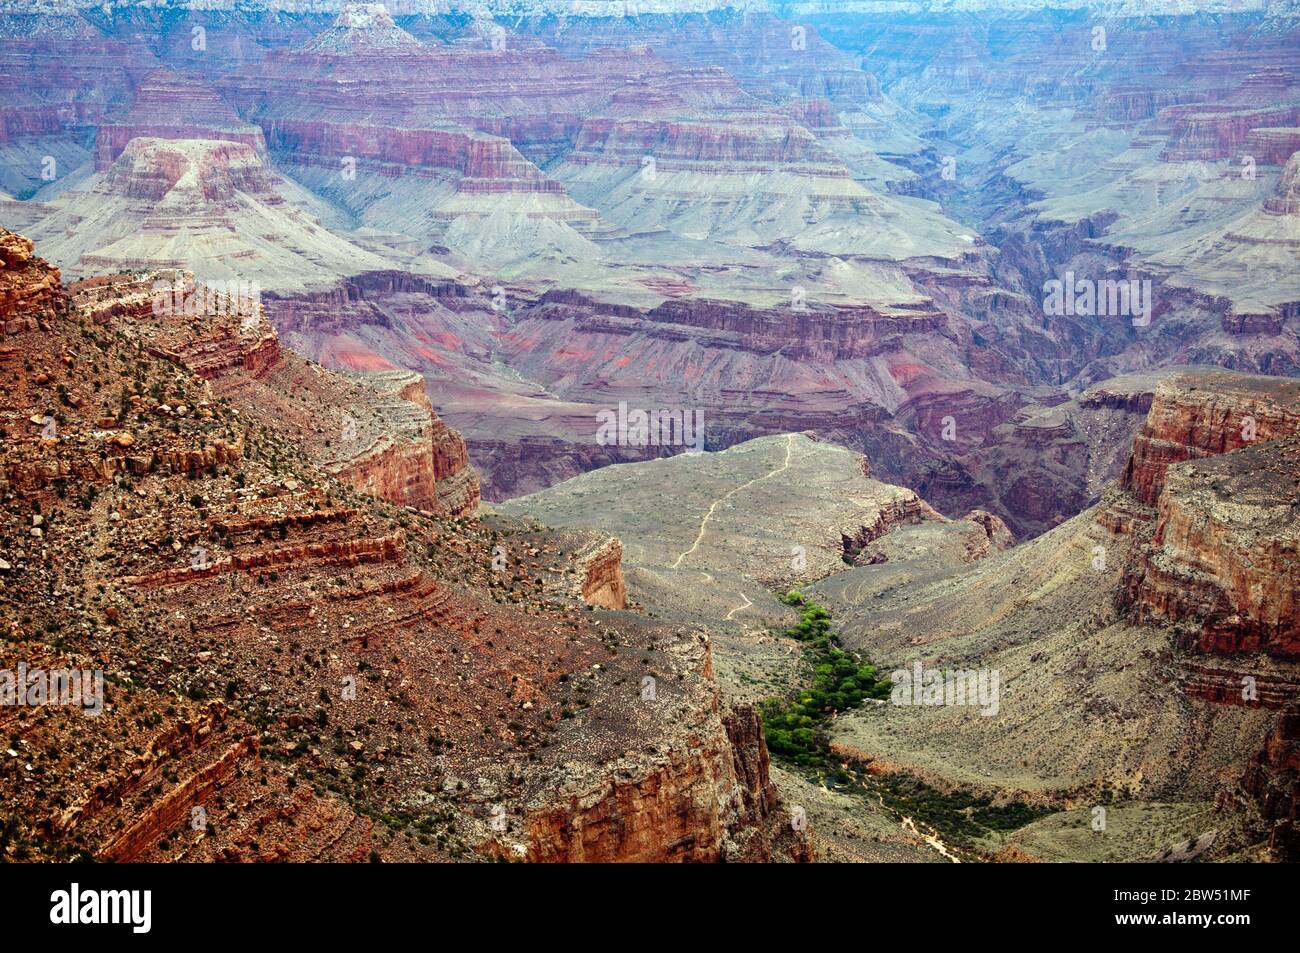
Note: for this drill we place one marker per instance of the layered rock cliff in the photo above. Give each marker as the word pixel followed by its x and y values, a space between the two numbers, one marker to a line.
pixel 30 291
pixel 1191 419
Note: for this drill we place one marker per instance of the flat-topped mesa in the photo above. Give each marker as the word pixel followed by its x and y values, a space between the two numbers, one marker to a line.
pixel 195 170
pixel 406 150
pixel 1200 415
pixel 30 288
pixel 209 206
pixel 487 172
pixel 836 334
pixel 752 143
pixel 173 106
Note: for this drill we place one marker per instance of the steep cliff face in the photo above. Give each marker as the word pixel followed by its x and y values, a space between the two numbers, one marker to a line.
pixel 414 459
pixel 1225 553
pixel 904 510
pixel 1210 505
pixel 1204 131
pixel 1189 420
pixel 1273 146
pixel 713 802
pixel 1286 200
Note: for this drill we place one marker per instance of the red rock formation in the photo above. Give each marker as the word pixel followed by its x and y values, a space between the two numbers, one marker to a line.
pixel 754 143
pixel 1272 146
pixel 30 290
pixel 841 333
pixel 1218 131
pixel 682 811
pixel 1219 461
pixel 302 604
pixel 602 581
pixel 410 457
pixel 419 462
pixel 903 511
pixel 1190 419
pixel 151 169
pixel 992 538
pixel 1286 200
pixel 1224 552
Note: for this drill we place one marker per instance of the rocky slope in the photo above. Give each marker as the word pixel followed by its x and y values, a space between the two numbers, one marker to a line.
pixel 297 671
pixel 376 431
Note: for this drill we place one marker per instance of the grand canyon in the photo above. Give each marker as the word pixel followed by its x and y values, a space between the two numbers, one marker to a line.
pixel 764 431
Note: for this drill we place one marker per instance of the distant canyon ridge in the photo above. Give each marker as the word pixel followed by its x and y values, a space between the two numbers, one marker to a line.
pixel 772 218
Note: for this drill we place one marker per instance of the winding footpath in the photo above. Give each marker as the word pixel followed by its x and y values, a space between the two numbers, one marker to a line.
pixel 704 523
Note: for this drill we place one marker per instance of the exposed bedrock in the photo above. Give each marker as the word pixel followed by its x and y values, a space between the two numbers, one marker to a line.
pixel 257 589
pixel 1190 419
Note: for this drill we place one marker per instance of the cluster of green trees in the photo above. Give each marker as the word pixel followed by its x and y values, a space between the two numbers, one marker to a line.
pixel 840 682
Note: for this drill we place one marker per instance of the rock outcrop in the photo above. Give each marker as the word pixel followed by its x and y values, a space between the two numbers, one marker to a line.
pixel 383 436
pixel 602 581
pixel 1191 419
pixel 1209 505
pixel 383 655
pixel 30 290
pixel 1272 780
pixel 1224 552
